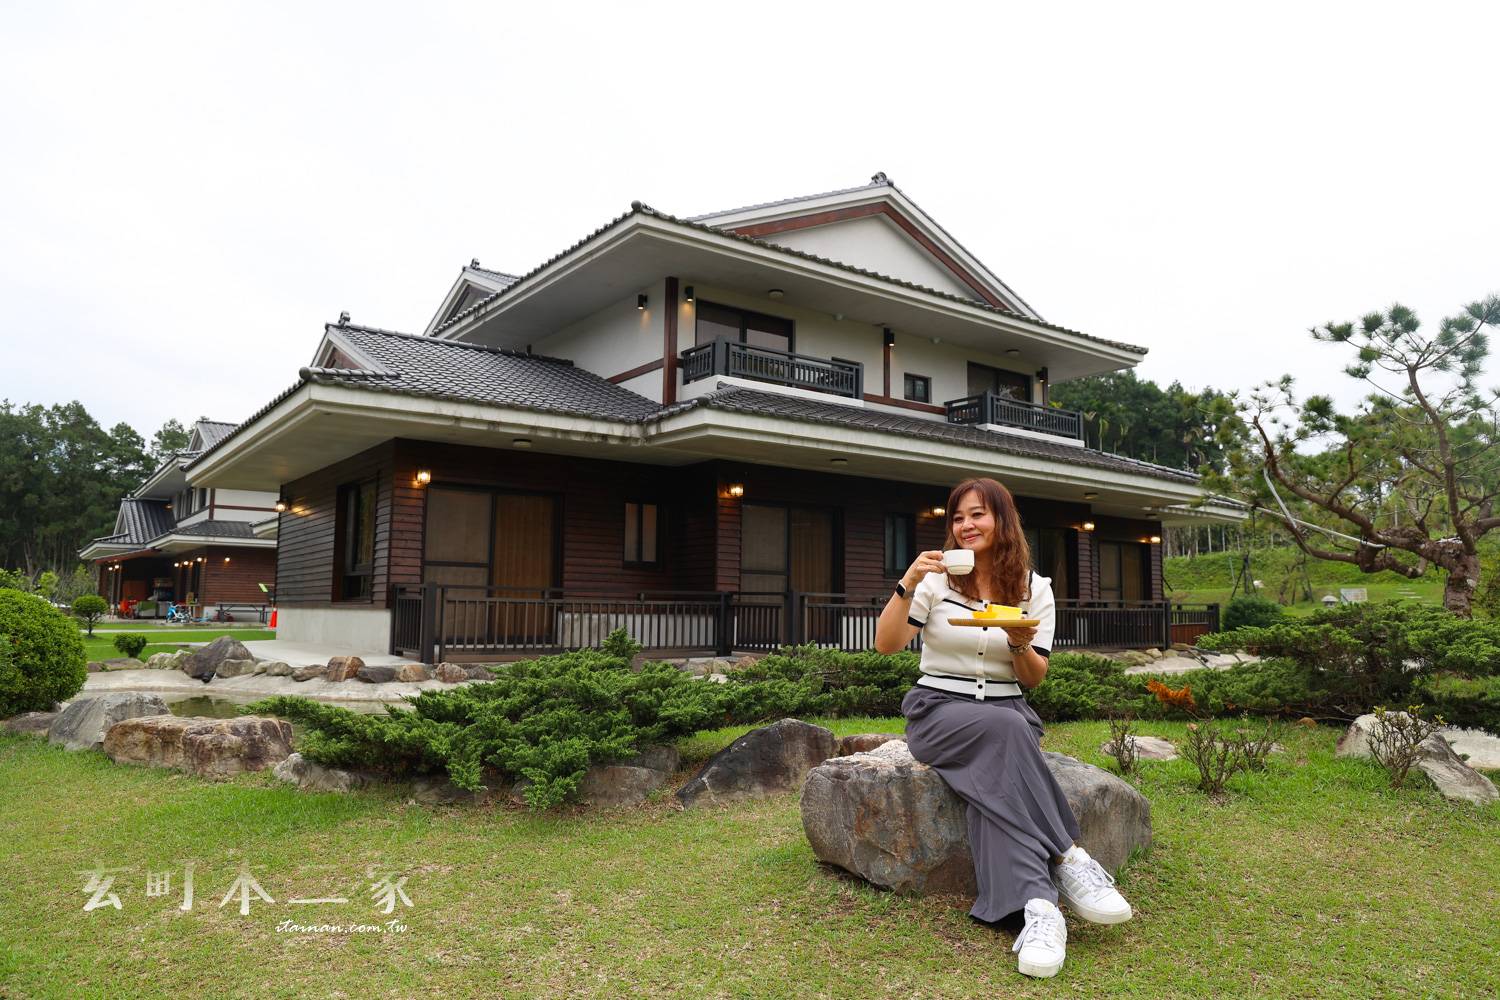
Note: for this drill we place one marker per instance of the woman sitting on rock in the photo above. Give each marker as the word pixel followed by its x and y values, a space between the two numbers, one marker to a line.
pixel 967 719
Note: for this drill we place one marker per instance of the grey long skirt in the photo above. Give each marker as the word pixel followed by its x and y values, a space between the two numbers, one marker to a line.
pixel 989 752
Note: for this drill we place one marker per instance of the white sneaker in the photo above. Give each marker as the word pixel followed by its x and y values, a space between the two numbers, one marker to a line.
pixel 1089 890
pixel 1042 942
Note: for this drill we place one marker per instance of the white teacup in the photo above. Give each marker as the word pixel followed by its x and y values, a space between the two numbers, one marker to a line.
pixel 959 562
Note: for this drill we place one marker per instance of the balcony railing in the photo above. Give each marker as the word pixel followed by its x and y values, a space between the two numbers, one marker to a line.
pixel 1007 411
pixel 434 622
pixel 766 364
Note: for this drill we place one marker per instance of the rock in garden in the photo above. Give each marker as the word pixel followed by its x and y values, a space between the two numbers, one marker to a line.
pixel 372 674
pixel 893 821
pixel 94 666
pixel 210 748
pixel 235 668
pixel 82 725
pixel 36 723
pixel 167 661
pixel 774 758
pixel 450 673
pixel 308 672
pixel 479 673
pixel 276 668
pixel 657 758
pixel 860 742
pixel 615 785
pixel 312 777
pixel 1146 748
pixel 343 668
pixel 412 672
pixel 203 663
pixel 1456 780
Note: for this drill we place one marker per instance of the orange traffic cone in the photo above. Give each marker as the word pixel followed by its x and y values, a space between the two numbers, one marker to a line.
pixel 273 617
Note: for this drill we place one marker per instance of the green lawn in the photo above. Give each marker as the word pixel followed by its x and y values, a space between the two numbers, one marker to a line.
pixel 1312 880
pixel 166 640
pixel 157 626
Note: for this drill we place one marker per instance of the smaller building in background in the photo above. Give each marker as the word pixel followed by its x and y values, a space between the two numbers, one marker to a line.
pixel 174 543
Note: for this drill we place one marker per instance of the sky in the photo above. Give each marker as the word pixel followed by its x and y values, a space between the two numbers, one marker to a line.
pixel 192 190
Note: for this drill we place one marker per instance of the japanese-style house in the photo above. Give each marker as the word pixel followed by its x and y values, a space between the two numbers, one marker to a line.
pixel 176 543
pixel 723 433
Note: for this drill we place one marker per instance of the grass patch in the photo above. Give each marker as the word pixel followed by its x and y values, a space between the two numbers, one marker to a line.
pixel 166 640
pixel 1312 879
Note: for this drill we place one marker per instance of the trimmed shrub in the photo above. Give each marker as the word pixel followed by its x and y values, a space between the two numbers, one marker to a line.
pixel 1473 703
pixel 1252 610
pixel 131 643
pixel 41 655
pixel 1085 686
pixel 90 608
pixel 808 680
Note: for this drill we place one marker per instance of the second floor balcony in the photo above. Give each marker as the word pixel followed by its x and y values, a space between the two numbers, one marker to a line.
pixel 1007 411
pixel 766 364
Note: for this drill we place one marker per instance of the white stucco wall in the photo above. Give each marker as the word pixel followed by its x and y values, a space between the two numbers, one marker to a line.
pixel 615 339
pixel 819 334
pixel 264 505
pixel 876 244
pixel 359 630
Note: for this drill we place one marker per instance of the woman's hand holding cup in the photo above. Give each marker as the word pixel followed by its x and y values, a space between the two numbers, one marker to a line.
pixel 926 562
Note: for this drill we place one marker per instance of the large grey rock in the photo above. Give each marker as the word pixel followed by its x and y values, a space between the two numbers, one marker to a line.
pixel 774 758
pixel 1457 781
pixel 211 748
pixel 36 723
pixel 1146 748
pixel 412 672
pixel 616 785
pixel 657 758
pixel 236 668
pixel 204 663
pixel 860 742
pixel 82 725
pixel 167 661
pixel 310 671
pixel 893 821
pixel 277 668
pixel 450 673
pixel 312 777
pixel 372 674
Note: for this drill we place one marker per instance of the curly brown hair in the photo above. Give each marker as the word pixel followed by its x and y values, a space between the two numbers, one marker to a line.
pixel 1012 556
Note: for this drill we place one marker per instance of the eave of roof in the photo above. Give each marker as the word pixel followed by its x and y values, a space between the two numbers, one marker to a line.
pixel 638 208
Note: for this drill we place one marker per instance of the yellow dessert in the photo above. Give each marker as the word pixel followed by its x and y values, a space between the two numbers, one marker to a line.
pixel 1002 611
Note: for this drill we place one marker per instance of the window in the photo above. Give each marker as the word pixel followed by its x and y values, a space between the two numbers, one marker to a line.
pixel 918 388
pixel 900 543
pixel 354 528
pixel 983 378
pixel 641 532
pixel 742 326
pixel 1053 554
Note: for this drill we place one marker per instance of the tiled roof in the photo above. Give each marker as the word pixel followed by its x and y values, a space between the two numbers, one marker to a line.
pixel 211 432
pixel 215 529
pixel 144 520
pixel 638 208
pixel 446 369
pixel 737 399
pixel 878 181
pixel 500 276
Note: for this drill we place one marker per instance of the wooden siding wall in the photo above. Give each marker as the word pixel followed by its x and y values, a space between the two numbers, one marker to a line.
pixel 305 547
pixel 237 581
pixel 700 533
pixel 591 495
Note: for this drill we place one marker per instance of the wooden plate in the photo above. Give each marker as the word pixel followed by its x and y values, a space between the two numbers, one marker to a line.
pixel 996 622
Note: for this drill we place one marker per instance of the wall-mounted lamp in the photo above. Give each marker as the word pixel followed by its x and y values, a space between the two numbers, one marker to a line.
pixel 281 505
pixel 890 336
pixel 1088 525
pixel 200 559
pixel 687 293
pixel 424 476
pixel 177 565
pixel 640 301
pixel 736 490
pixel 226 558
pixel 1155 539
pixel 1041 375
pixel 938 511
pixel 521 443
